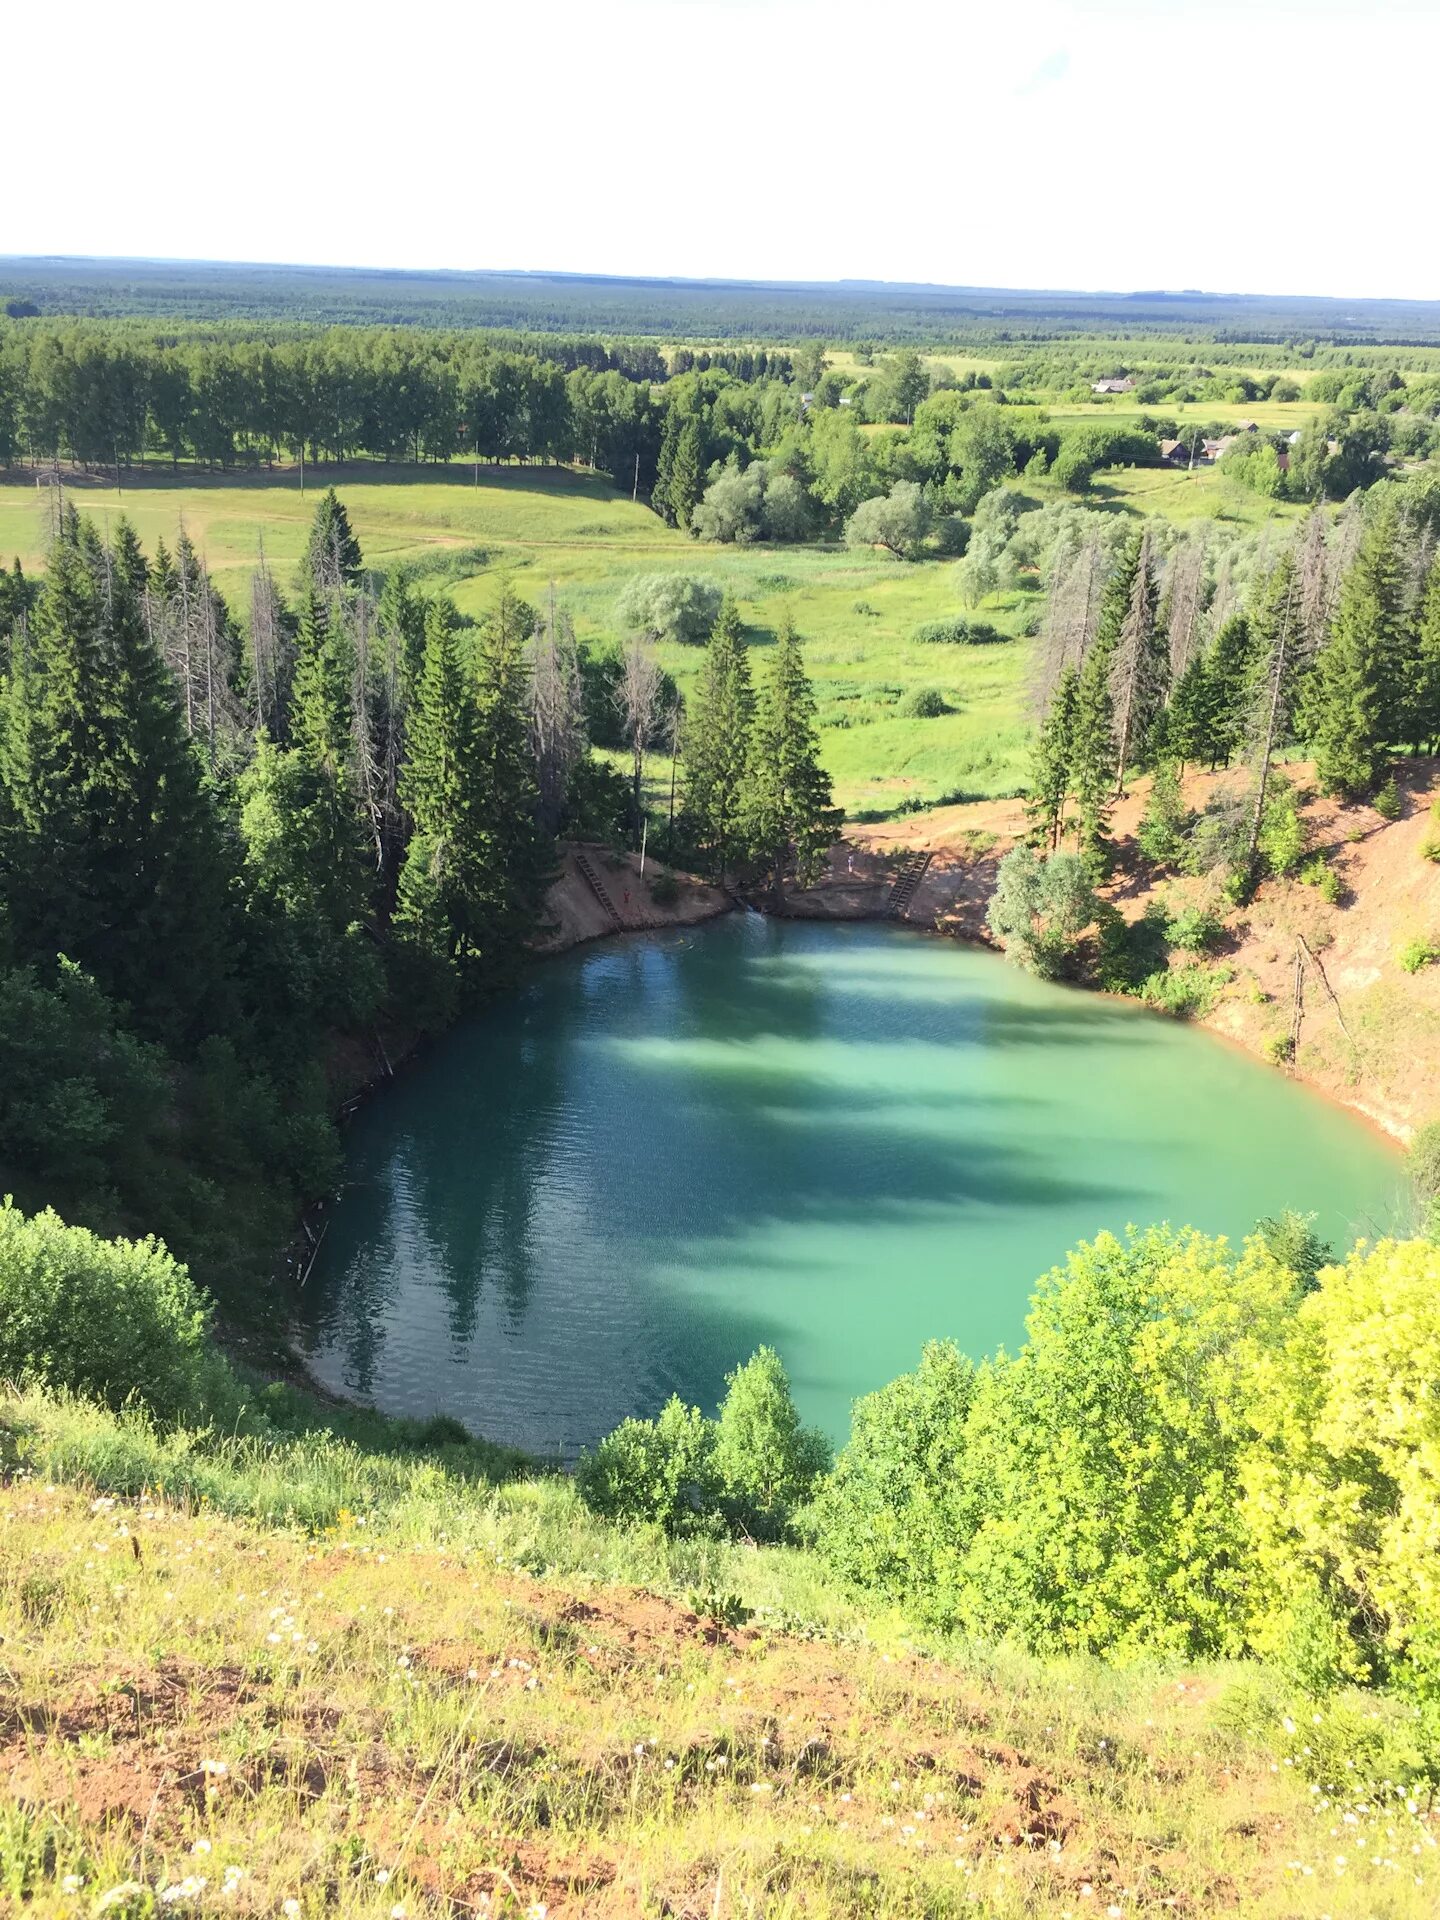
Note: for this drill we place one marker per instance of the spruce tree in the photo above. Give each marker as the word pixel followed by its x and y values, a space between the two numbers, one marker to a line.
pixel 1189 718
pixel 1166 821
pixel 717 741
pixel 687 475
pixel 1093 757
pixel 51 761
pixel 1349 700
pixel 788 804
pixel 441 905
pixel 520 856
pixel 1423 718
pixel 1230 674
pixel 332 554
pixel 1050 766
pixel 164 867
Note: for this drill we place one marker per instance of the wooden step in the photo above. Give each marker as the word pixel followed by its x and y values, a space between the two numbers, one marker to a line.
pixel 589 873
pixel 906 882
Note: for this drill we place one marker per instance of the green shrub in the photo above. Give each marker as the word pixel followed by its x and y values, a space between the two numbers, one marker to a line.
pixel 112 1320
pixel 1189 993
pixel 1340 1485
pixel 767 1463
pixel 1388 802
pixel 886 1518
pixel 1417 953
pixel 1291 1238
pixel 1278 1049
pixel 660 1471
pixel 1040 909
pixel 957 632
pixel 924 703
pixel 747 1470
pixel 1127 952
pixel 1105 1458
pixel 664 889
pixel 1195 930
pixel 1430 848
pixel 1422 1163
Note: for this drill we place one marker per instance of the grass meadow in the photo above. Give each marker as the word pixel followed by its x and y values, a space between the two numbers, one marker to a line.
pixel 537 528
pixel 542 528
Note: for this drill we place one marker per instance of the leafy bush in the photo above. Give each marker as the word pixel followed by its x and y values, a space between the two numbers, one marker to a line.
pixel 766 1461
pixel 886 1517
pixel 1105 1457
pixel 660 1471
pixel 1188 993
pixel 1417 953
pixel 664 889
pixel 670 606
pixel 924 703
pixel 1423 1165
pixel 1128 952
pixel 957 632
pixel 113 1320
pixel 1430 848
pixel 1195 930
pixel 747 1470
pixel 1040 909
pixel 1342 1485
pixel 1278 1049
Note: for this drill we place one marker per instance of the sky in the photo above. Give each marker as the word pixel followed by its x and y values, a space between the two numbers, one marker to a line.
pixel 1118 144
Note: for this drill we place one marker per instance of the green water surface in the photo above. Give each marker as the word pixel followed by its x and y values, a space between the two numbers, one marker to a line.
pixel 840 1139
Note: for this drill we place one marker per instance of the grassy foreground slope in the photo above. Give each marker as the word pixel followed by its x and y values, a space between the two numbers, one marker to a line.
pixel 431 1702
pixel 536 527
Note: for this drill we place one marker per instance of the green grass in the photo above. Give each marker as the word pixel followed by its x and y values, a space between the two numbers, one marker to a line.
pixel 541 527
pixel 429 1695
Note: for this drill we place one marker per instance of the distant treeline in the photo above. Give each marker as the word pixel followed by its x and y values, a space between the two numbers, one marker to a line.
pixel 690 309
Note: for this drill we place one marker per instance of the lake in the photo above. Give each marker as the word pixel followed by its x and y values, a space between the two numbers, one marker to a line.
pixel 842 1140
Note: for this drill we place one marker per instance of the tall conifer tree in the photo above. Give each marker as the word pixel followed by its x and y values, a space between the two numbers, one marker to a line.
pixel 789 811
pixel 717 741
pixel 1349 699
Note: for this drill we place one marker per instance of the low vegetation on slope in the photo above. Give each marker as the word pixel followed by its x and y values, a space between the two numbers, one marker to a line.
pixel 204 1714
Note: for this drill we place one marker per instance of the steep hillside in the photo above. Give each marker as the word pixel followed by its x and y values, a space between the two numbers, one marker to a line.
pixel 1369 1029
pixel 205 1715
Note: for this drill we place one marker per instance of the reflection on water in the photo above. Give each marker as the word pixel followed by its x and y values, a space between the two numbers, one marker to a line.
pixel 841 1139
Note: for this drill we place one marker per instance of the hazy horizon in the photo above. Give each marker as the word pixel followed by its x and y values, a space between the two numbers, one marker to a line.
pixel 1129 144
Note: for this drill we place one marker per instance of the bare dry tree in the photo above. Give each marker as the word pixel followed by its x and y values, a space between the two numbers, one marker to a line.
pixel 1185 602
pixel 638 697
pixel 1313 612
pixel 392 747
pixel 1344 543
pixel 267 646
pixel 1076 581
pixel 1274 687
pixel 358 611
pixel 557 710
pixel 1141 665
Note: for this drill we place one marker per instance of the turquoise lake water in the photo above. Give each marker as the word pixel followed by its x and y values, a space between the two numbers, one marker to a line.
pixel 839 1139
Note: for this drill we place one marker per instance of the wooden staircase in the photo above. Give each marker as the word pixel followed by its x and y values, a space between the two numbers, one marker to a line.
pixel 590 874
pixel 906 881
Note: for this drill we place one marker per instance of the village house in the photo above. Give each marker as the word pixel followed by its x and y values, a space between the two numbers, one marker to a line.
pixel 1124 385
